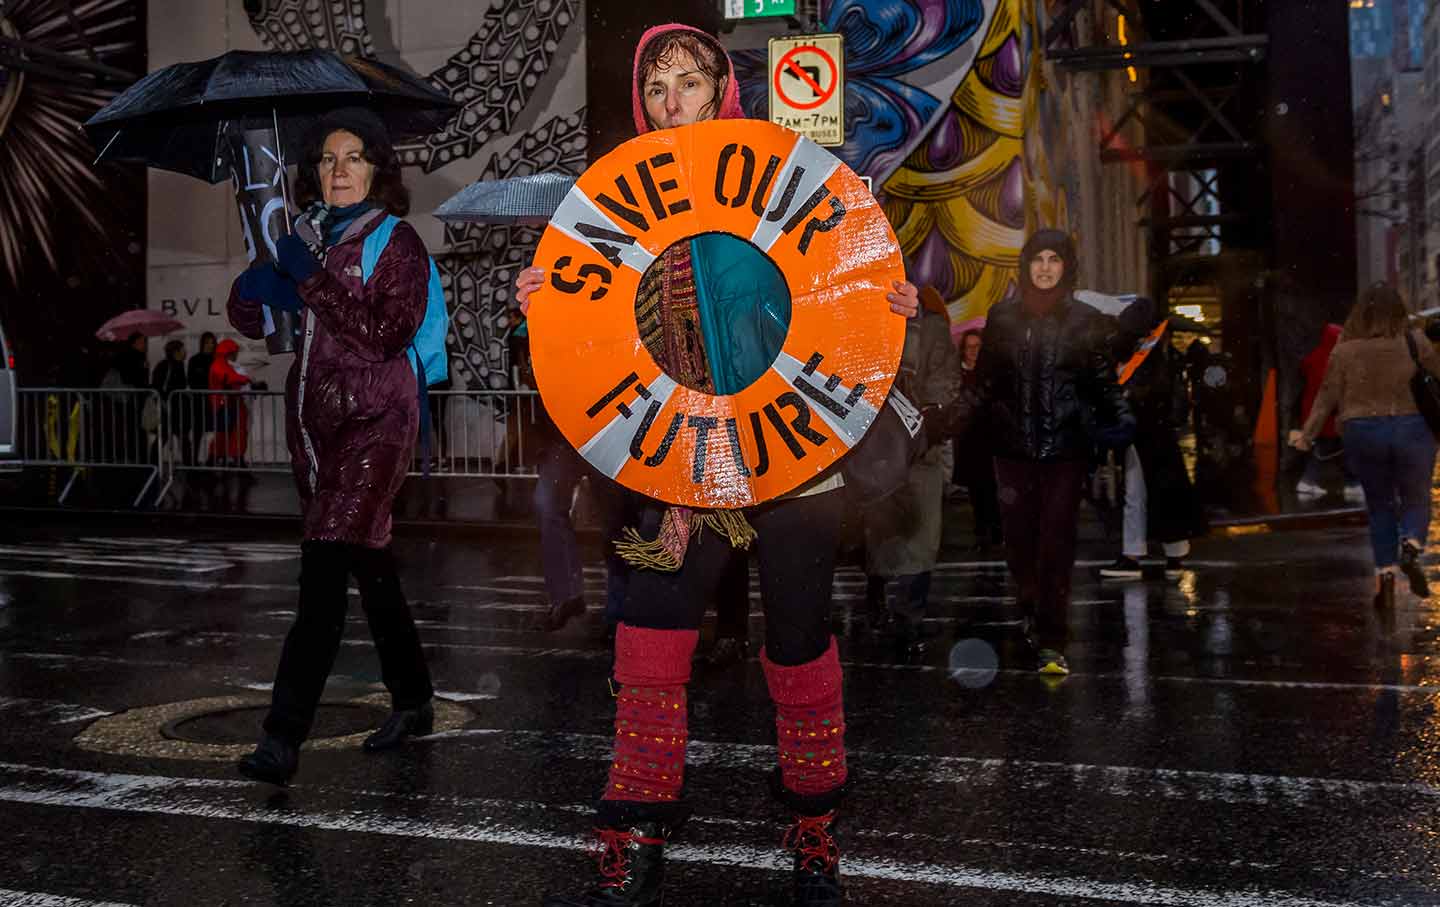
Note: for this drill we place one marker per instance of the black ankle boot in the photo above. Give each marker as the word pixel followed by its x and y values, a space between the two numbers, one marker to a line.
pixel 728 651
pixel 1385 596
pixel 1410 566
pixel 402 723
pixel 817 861
pixel 632 869
pixel 273 762
pixel 558 615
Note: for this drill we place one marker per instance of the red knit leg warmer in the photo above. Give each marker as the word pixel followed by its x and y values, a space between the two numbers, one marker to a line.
pixel 809 722
pixel 652 668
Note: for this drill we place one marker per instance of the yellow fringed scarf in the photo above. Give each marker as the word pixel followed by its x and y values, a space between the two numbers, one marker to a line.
pixel 666 552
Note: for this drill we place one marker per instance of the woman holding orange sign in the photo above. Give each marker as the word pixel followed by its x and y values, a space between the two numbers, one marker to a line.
pixel 710 394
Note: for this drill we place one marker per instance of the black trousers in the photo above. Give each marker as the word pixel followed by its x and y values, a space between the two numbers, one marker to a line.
pixel 732 599
pixel 795 550
pixel 1040 504
pixel 314 640
pixel 980 483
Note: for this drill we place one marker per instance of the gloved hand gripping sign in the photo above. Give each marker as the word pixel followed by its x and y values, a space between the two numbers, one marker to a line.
pixel 814 220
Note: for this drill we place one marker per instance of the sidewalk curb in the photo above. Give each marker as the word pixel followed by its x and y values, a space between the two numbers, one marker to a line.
pixel 1290 522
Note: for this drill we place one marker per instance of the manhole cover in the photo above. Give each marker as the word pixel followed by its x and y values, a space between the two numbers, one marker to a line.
pixel 242 724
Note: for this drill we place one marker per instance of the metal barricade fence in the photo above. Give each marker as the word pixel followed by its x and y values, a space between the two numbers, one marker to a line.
pixel 483 434
pixel 90 428
pixel 473 434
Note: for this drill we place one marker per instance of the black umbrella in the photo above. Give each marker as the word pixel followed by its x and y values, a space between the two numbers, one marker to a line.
pixel 525 200
pixel 175 118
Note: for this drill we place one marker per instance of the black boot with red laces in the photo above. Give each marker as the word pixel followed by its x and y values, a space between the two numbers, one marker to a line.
pixel 817 860
pixel 632 869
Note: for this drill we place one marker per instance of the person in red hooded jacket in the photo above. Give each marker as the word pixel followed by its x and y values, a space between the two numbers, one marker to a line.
pixel 681 76
pixel 1327 445
pixel 232 416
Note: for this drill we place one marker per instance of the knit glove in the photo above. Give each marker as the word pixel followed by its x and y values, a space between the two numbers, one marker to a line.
pixel 263 283
pixel 293 258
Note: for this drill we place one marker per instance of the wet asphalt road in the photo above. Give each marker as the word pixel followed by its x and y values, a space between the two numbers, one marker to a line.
pixel 1252 735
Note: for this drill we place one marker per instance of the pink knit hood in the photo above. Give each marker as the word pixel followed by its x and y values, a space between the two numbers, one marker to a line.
pixel 729 104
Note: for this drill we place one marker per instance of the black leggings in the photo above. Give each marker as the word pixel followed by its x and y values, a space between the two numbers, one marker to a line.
pixel 795 548
pixel 314 639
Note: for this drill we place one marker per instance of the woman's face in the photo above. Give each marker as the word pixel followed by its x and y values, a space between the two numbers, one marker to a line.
pixel 971 351
pixel 207 345
pixel 680 93
pixel 345 175
pixel 1046 269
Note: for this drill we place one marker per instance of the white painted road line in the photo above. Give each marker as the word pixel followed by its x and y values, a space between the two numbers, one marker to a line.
pixel 1119 781
pixel 155 795
pixel 50 712
pixel 1366 689
pixel 10 898
pixel 1427 690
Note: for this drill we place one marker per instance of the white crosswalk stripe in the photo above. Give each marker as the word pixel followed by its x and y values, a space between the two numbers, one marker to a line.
pixel 228 801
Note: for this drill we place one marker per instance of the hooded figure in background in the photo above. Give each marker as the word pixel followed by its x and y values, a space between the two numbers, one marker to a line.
pixel 231 415
pixel 351 419
pixel 714 321
pixel 1047 397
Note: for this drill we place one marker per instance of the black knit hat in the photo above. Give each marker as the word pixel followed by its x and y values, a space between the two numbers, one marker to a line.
pixel 1057 241
pixel 360 122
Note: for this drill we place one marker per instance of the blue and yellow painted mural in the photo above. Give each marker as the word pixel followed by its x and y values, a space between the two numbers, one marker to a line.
pixel 944 107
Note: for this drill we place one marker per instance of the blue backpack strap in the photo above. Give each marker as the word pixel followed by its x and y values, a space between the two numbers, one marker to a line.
pixel 370 252
pixel 375 244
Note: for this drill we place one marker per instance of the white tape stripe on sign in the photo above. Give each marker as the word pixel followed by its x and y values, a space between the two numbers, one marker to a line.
pixel 818 165
pixel 835 403
pixel 609 449
pixel 578 215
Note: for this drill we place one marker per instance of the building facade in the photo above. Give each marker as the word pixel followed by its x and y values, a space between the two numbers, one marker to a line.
pixel 1430 190
pixel 992 142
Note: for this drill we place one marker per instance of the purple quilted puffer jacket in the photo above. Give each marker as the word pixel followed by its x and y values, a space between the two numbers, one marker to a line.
pixel 351 410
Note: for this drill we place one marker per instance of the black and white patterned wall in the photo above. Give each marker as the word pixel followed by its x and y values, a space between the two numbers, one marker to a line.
pixel 502 74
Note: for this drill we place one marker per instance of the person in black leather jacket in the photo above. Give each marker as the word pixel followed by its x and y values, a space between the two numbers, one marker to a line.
pixel 1047 396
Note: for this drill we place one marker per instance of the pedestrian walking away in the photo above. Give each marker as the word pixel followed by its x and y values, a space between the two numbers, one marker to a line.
pixel 167 377
pixel 1047 398
pixel 560 471
pixel 902 530
pixel 197 377
pixel 681 76
pixel 974 457
pixel 1160 502
pixel 352 413
pixel 1388 443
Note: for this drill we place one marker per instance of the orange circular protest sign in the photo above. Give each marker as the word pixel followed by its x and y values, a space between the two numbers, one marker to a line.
pixel 790 200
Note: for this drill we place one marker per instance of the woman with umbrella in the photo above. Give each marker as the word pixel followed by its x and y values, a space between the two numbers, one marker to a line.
pixel 683 76
pixel 351 420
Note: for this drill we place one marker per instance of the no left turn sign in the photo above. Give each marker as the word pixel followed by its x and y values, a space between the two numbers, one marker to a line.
pixel 807 86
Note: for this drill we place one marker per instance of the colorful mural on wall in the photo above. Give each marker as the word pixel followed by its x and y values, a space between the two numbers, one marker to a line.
pixel 943 101
pixel 497 75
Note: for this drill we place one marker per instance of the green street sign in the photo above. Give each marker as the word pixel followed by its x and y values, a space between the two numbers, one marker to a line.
pixel 758 9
